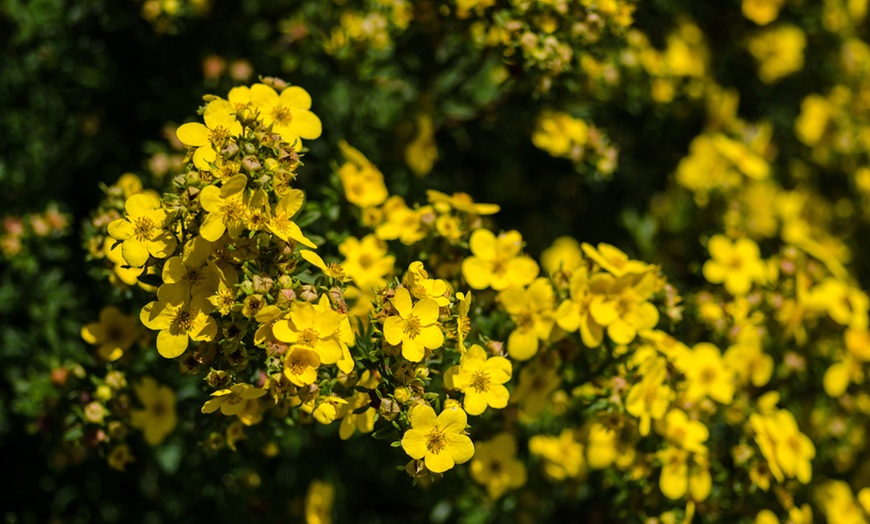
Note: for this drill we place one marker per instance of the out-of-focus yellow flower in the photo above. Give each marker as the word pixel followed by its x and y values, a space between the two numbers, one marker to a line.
pixel 531 310
pixel 318 503
pixel 113 334
pixel 422 152
pixel 737 265
pixel 157 419
pixel 762 12
pixel 363 182
pixel 496 467
pixel 560 134
pixel 779 52
pixel 563 456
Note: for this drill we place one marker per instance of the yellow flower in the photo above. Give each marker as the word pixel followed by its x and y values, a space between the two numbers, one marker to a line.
pixel 707 375
pixel 560 134
pixel 143 231
pixel 113 334
pixel 420 286
pixel 318 503
pixel 810 125
pixel 179 323
pixel 414 329
pixel 496 467
pixel 536 383
pixel 563 256
pixel 563 455
pixel 300 365
pixel 614 261
pixel 463 323
pixel 402 222
pixel 440 442
pixel 573 313
pixel 749 363
pixel 686 434
pixel 287 113
pixel 363 183
pixel 158 419
pixel 119 457
pixel 363 422
pixel 226 207
pixel 366 261
pixel 280 222
pixel 422 152
pixel 762 12
pixel 122 270
pixel 788 452
pixel 313 328
pixel 684 472
pixel 532 313
pixel 332 270
pixel 327 409
pixel 481 379
pixel 837 503
pixel 737 265
pixel 649 399
pixel 496 261
pixel 220 125
pixel 190 274
pixel 231 401
pixel 779 52
pixel 461 202
pixel 624 309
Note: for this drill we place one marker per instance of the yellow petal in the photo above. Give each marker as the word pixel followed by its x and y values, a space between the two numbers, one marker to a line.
pixel 171 346
pixel 193 134
pixel 307 125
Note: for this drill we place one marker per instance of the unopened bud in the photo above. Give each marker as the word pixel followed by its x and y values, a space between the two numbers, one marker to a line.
pixel 230 150
pixel 388 409
pixel 308 293
pixel 251 164
pixel 218 379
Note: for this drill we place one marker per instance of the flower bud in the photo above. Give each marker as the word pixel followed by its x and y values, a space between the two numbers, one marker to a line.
pixel 308 293
pixel 402 394
pixel 251 164
pixel 230 150
pixel 218 379
pixel 389 409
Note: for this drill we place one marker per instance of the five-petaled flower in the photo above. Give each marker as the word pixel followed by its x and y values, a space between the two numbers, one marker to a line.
pixel 440 442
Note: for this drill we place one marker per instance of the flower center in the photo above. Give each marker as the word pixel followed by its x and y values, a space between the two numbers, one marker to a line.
pixel 233 210
pixel 308 338
pixel 525 320
pixel 194 276
pixel 707 375
pixel 144 226
pixel 296 366
pixel 183 320
pixel 335 270
pixel 366 261
pixel 499 267
pixel 159 409
pixel 233 399
pixel 480 381
pixel 735 263
pixel 412 326
pixel 436 441
pixel 219 134
pixel 282 115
